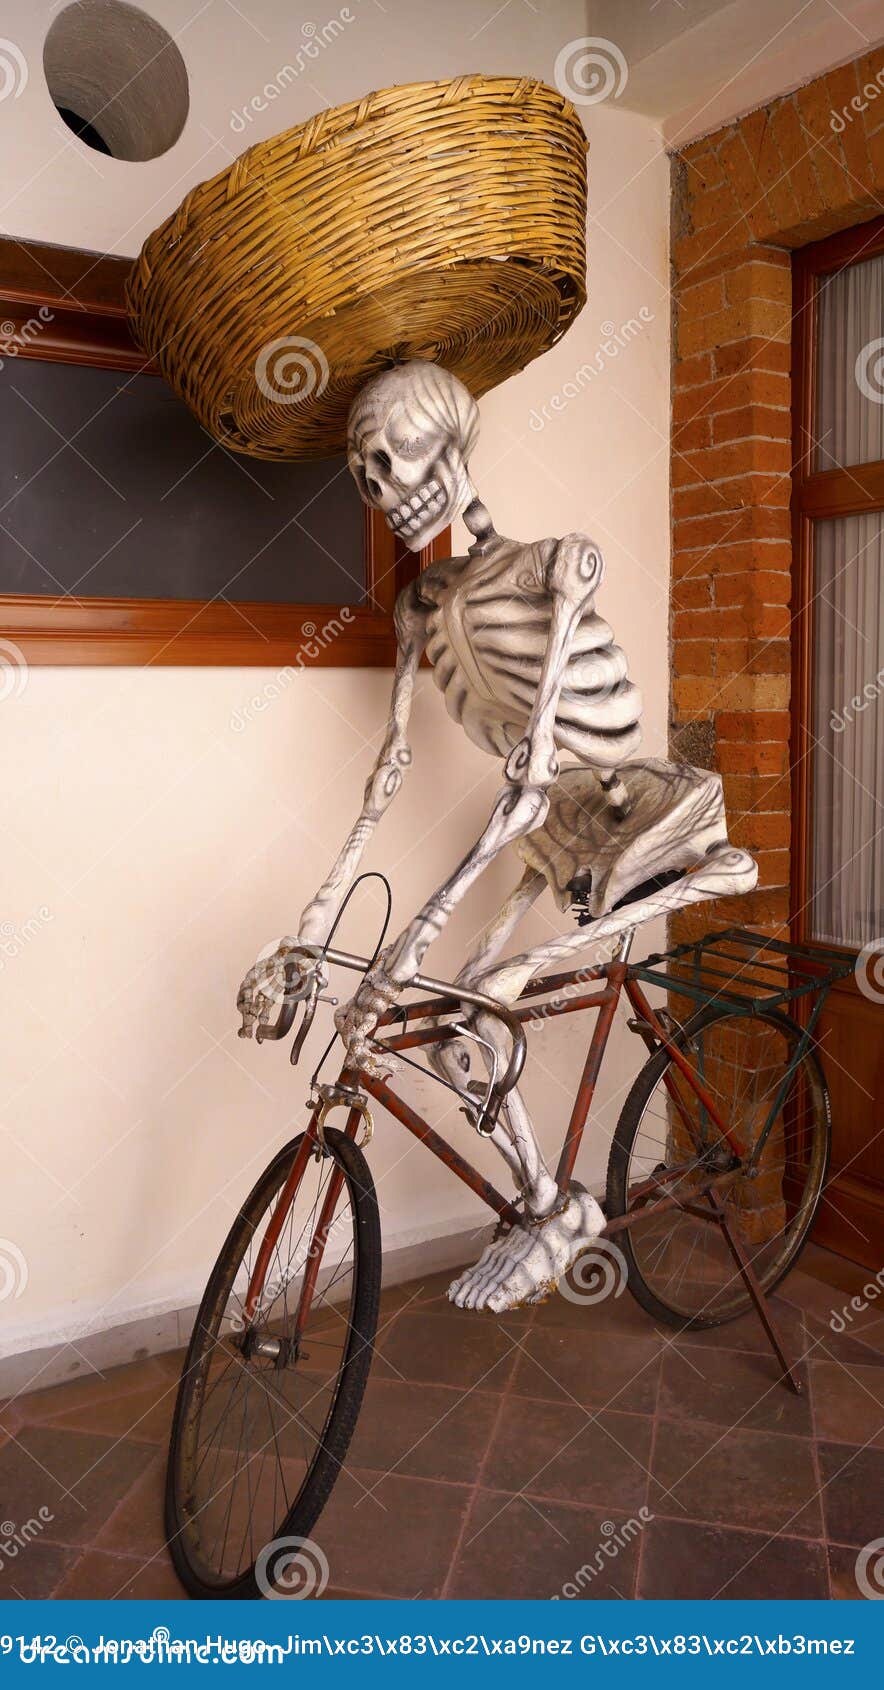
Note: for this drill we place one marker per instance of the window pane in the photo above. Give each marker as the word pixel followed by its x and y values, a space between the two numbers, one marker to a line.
pixel 847 817
pixel 849 423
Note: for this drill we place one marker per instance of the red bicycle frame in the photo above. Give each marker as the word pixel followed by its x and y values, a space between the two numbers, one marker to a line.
pixel 567 999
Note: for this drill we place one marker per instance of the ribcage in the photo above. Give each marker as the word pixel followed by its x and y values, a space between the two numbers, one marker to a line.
pixel 487 650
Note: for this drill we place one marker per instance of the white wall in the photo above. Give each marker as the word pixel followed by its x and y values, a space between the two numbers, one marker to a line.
pixel 163 848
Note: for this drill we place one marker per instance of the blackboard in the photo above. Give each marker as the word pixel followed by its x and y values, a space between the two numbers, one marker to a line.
pixel 109 487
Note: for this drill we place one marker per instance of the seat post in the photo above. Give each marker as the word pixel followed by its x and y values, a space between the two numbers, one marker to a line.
pixel 625 945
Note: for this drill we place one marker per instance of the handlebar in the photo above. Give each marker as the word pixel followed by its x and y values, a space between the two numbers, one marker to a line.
pixel 309 986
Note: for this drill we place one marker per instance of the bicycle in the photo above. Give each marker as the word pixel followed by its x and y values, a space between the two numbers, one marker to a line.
pixel 716 1171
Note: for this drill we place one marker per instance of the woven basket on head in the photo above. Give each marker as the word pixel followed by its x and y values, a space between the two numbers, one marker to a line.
pixel 441 220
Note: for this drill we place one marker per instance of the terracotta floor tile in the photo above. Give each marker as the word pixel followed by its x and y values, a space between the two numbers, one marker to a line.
pixel 143 1416
pixel 88 1389
pixel 35 1570
pixel 559 1451
pixel 527 1550
pixel 98 1576
pixel 747 1333
pixel 592 1369
pixel 459 1348
pixel 687 1561
pixel 853 1493
pixel 136 1525
pixel 844 1570
pixel 763 1481
pixel 850 1347
pixel 398 1541
pixel 36 1471
pixel 732 1387
pixel 429 1431
pixel 848 1403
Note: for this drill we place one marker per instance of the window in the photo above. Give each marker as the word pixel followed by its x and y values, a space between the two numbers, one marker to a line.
pixel 838 754
pixel 127 535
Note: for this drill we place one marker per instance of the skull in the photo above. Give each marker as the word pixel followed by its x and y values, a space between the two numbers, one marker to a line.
pixel 409 435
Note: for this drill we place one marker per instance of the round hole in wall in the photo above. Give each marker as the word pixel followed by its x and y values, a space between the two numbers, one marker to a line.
pixel 116 78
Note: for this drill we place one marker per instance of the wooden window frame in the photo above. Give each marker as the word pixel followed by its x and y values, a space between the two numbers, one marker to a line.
pixel 83 296
pixel 816 494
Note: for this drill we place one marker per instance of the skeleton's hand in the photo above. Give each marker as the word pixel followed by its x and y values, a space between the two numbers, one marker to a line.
pixel 357 1020
pixel 262 990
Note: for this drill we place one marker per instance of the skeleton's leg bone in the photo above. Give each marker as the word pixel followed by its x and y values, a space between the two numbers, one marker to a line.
pixel 541 1191
pixel 517 810
pixel 452 1059
pixel 726 871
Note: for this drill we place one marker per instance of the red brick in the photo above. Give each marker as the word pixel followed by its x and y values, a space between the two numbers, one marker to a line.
pixel 762 277
pixel 764 586
pixel 734 458
pixel 692 595
pixel 754 353
pixel 702 298
pixel 781 204
pixel 690 435
pixel 814 112
pixel 689 372
pixel 693 657
pixel 753 724
pixel 767 831
pixel 753 759
pixel 842 86
pixel 792 143
pixel 711 206
pixel 730 527
pixel 761 319
pixel 773 867
pixel 746 422
pixel 757 792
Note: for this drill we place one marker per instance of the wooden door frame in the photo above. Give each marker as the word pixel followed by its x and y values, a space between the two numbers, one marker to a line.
pixel 68 306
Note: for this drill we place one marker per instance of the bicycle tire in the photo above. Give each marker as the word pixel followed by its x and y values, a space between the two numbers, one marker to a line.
pixel 301 1515
pixel 629 1126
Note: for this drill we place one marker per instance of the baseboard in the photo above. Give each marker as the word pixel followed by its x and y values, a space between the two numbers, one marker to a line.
pixel 82 1353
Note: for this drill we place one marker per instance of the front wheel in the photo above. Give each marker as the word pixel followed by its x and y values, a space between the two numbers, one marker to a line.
pixel 679 1266
pixel 262 1423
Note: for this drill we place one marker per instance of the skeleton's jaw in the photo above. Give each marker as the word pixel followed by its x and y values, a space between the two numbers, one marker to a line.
pixel 423 514
pixel 416 515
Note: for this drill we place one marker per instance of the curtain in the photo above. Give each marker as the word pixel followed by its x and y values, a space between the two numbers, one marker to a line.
pixel 849 424
pixel 847 899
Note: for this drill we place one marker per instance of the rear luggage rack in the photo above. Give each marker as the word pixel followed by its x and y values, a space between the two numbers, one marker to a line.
pixel 746 970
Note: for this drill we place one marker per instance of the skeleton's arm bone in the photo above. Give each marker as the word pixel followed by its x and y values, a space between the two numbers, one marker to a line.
pixel 386 776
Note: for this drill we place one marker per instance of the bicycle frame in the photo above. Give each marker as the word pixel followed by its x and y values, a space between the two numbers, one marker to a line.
pixel 750 985
pixel 567 999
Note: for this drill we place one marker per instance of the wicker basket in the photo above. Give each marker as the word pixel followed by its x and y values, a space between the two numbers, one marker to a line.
pixel 441 220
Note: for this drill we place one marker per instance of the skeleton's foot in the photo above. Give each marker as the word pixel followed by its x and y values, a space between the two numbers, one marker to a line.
pixel 526 1264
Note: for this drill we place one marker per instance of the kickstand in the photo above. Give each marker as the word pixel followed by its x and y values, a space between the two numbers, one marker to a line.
pixel 752 1286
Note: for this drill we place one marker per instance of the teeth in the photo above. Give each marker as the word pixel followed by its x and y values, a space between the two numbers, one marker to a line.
pixel 427 500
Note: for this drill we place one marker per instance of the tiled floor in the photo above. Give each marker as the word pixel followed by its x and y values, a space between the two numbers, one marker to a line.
pixel 500 1456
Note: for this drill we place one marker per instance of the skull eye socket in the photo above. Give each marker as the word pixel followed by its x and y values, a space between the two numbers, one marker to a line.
pixel 382 460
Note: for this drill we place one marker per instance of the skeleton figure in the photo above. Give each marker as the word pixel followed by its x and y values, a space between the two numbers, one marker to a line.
pixel 528 669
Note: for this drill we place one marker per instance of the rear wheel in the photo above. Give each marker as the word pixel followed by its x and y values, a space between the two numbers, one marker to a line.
pixel 679 1266
pixel 262 1423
